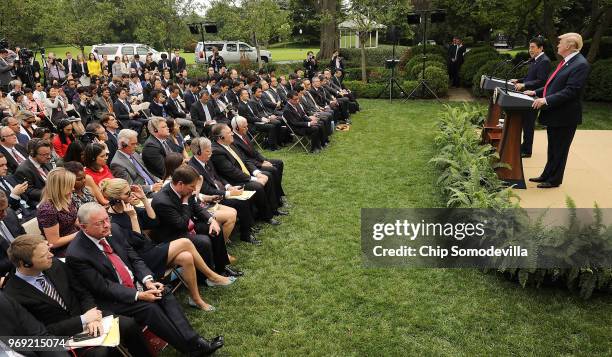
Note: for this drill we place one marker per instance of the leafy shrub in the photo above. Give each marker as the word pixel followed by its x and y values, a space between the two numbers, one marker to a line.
pixel 374 74
pixel 605 48
pixel 367 90
pixel 468 180
pixel 417 61
pixel 417 51
pixel 190 46
pixel 374 56
pixel 437 79
pixel 521 56
pixel 482 49
pixel 599 84
pixel 418 68
pixel 473 62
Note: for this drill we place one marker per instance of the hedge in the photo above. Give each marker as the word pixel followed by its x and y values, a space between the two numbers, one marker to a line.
pixel 375 74
pixel 473 62
pixel 416 69
pixel 482 49
pixel 599 84
pixel 605 48
pixel 374 56
pixel 437 80
pixel 418 61
pixel 417 51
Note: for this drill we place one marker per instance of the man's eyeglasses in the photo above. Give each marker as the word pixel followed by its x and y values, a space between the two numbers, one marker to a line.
pixel 100 223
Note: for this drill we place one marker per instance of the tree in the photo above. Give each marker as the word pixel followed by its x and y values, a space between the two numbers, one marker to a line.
pixel 327 14
pixel 366 14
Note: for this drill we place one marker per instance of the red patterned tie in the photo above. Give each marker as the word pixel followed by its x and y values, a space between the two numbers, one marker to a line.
pixel 191 227
pixel 120 267
pixel 553 76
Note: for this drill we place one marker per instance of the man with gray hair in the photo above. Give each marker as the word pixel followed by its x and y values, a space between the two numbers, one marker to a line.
pixel 128 165
pixel 103 261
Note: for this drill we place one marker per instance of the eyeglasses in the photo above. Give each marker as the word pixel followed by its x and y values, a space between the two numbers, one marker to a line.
pixel 100 223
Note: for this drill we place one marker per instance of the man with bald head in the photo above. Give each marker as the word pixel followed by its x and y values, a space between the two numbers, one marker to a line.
pixel 559 101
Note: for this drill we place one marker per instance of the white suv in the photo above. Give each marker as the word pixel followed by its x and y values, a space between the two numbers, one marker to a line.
pixel 231 51
pixel 129 49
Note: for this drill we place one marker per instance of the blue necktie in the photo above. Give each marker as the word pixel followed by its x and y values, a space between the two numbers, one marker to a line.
pixel 141 171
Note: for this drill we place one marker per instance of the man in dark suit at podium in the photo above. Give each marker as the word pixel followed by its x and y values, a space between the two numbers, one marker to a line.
pixel 536 78
pixel 561 107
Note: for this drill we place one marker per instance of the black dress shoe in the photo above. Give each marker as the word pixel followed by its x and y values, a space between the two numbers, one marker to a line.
pixel 205 348
pixel 233 271
pixel 252 240
pixel 315 151
pixel 525 155
pixel 547 185
pixel 273 222
pixel 281 213
pixel 255 229
pixel 537 179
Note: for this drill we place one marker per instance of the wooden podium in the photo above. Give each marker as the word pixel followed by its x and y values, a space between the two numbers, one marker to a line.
pixel 491 131
pixel 515 105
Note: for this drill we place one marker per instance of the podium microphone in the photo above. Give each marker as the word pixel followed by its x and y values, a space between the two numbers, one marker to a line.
pixel 519 65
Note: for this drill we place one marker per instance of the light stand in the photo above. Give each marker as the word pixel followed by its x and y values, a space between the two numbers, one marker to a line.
pixel 201 28
pixel 423 15
pixel 392 81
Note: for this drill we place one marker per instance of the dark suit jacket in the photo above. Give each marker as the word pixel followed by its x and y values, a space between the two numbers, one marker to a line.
pixel 87 112
pixel 228 167
pixel 232 98
pixel 158 109
pixel 174 216
pixel 96 272
pixel 460 54
pixel 15 204
pixel 120 110
pixel 28 172
pixel 294 118
pixel 154 156
pixel 172 109
pixel 338 82
pixel 209 175
pixel 84 70
pixel 320 96
pixel 112 145
pixel 216 112
pixel 248 150
pixel 74 68
pixel 537 73
pixel 58 321
pixel 17 321
pixel 10 162
pixel 176 68
pixel 198 115
pixel 189 98
pixel 160 65
pixel 332 64
pixel 12 223
pixel 564 93
pixel 269 102
pixel 249 111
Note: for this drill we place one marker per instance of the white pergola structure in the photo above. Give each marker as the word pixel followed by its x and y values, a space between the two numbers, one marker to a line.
pixel 350 39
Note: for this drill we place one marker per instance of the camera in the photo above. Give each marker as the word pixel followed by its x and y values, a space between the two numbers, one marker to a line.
pixel 25 54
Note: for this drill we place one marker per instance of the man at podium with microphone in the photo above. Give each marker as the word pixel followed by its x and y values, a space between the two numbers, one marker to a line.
pixel 539 69
pixel 559 101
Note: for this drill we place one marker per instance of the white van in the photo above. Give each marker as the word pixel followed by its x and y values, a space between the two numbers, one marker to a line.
pixel 129 49
pixel 231 51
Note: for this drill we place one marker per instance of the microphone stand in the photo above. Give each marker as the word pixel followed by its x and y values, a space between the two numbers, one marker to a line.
pixel 519 65
pixel 496 69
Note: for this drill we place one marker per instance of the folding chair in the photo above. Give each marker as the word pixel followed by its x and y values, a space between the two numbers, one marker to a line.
pixel 254 138
pixel 31 226
pixel 299 139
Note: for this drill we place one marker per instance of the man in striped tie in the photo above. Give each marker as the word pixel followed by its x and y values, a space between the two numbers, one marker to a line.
pixel 47 289
pixel 561 108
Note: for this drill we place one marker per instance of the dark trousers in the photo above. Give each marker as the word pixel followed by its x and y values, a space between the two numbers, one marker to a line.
pixel 272 131
pixel 265 199
pixel 244 214
pixel 559 141
pixel 453 73
pixel 277 172
pixel 529 119
pixel 314 132
pixel 134 124
pixel 212 249
pixel 165 318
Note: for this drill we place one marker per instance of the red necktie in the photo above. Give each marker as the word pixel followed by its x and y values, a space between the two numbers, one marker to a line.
pixel 553 76
pixel 120 267
pixel 191 227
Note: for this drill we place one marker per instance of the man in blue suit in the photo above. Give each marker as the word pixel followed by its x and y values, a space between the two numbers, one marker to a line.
pixel 536 78
pixel 561 108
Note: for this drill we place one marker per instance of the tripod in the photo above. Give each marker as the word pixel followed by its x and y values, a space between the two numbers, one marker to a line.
pixel 423 86
pixel 392 81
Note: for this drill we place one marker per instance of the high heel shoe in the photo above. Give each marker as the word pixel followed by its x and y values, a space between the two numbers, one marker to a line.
pixel 212 283
pixel 193 304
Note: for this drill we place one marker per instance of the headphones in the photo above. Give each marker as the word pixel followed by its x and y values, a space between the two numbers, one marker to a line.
pixel 199 152
pixel 124 145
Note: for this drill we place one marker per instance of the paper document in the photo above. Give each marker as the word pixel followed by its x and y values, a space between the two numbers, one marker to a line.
pixel 109 337
pixel 245 195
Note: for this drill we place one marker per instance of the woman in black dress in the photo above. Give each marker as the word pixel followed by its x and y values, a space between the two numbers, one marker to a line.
pixel 158 257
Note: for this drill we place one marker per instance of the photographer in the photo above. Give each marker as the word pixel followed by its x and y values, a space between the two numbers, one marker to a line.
pixel 85 106
pixel 310 65
pixel 215 60
pixel 55 69
pixel 6 70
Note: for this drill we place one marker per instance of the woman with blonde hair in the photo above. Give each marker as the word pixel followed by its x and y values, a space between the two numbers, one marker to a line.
pixel 157 257
pixel 57 215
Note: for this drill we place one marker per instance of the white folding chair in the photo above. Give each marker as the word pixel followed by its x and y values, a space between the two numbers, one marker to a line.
pixel 31 227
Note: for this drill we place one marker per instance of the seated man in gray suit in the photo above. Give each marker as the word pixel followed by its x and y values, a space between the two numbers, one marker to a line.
pixel 127 163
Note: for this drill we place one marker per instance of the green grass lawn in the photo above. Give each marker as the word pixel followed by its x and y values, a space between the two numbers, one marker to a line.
pixel 278 53
pixel 306 292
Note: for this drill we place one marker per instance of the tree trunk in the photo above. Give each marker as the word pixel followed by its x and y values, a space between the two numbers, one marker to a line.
pixel 364 73
pixel 548 25
pixel 605 23
pixel 259 64
pixel 329 33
